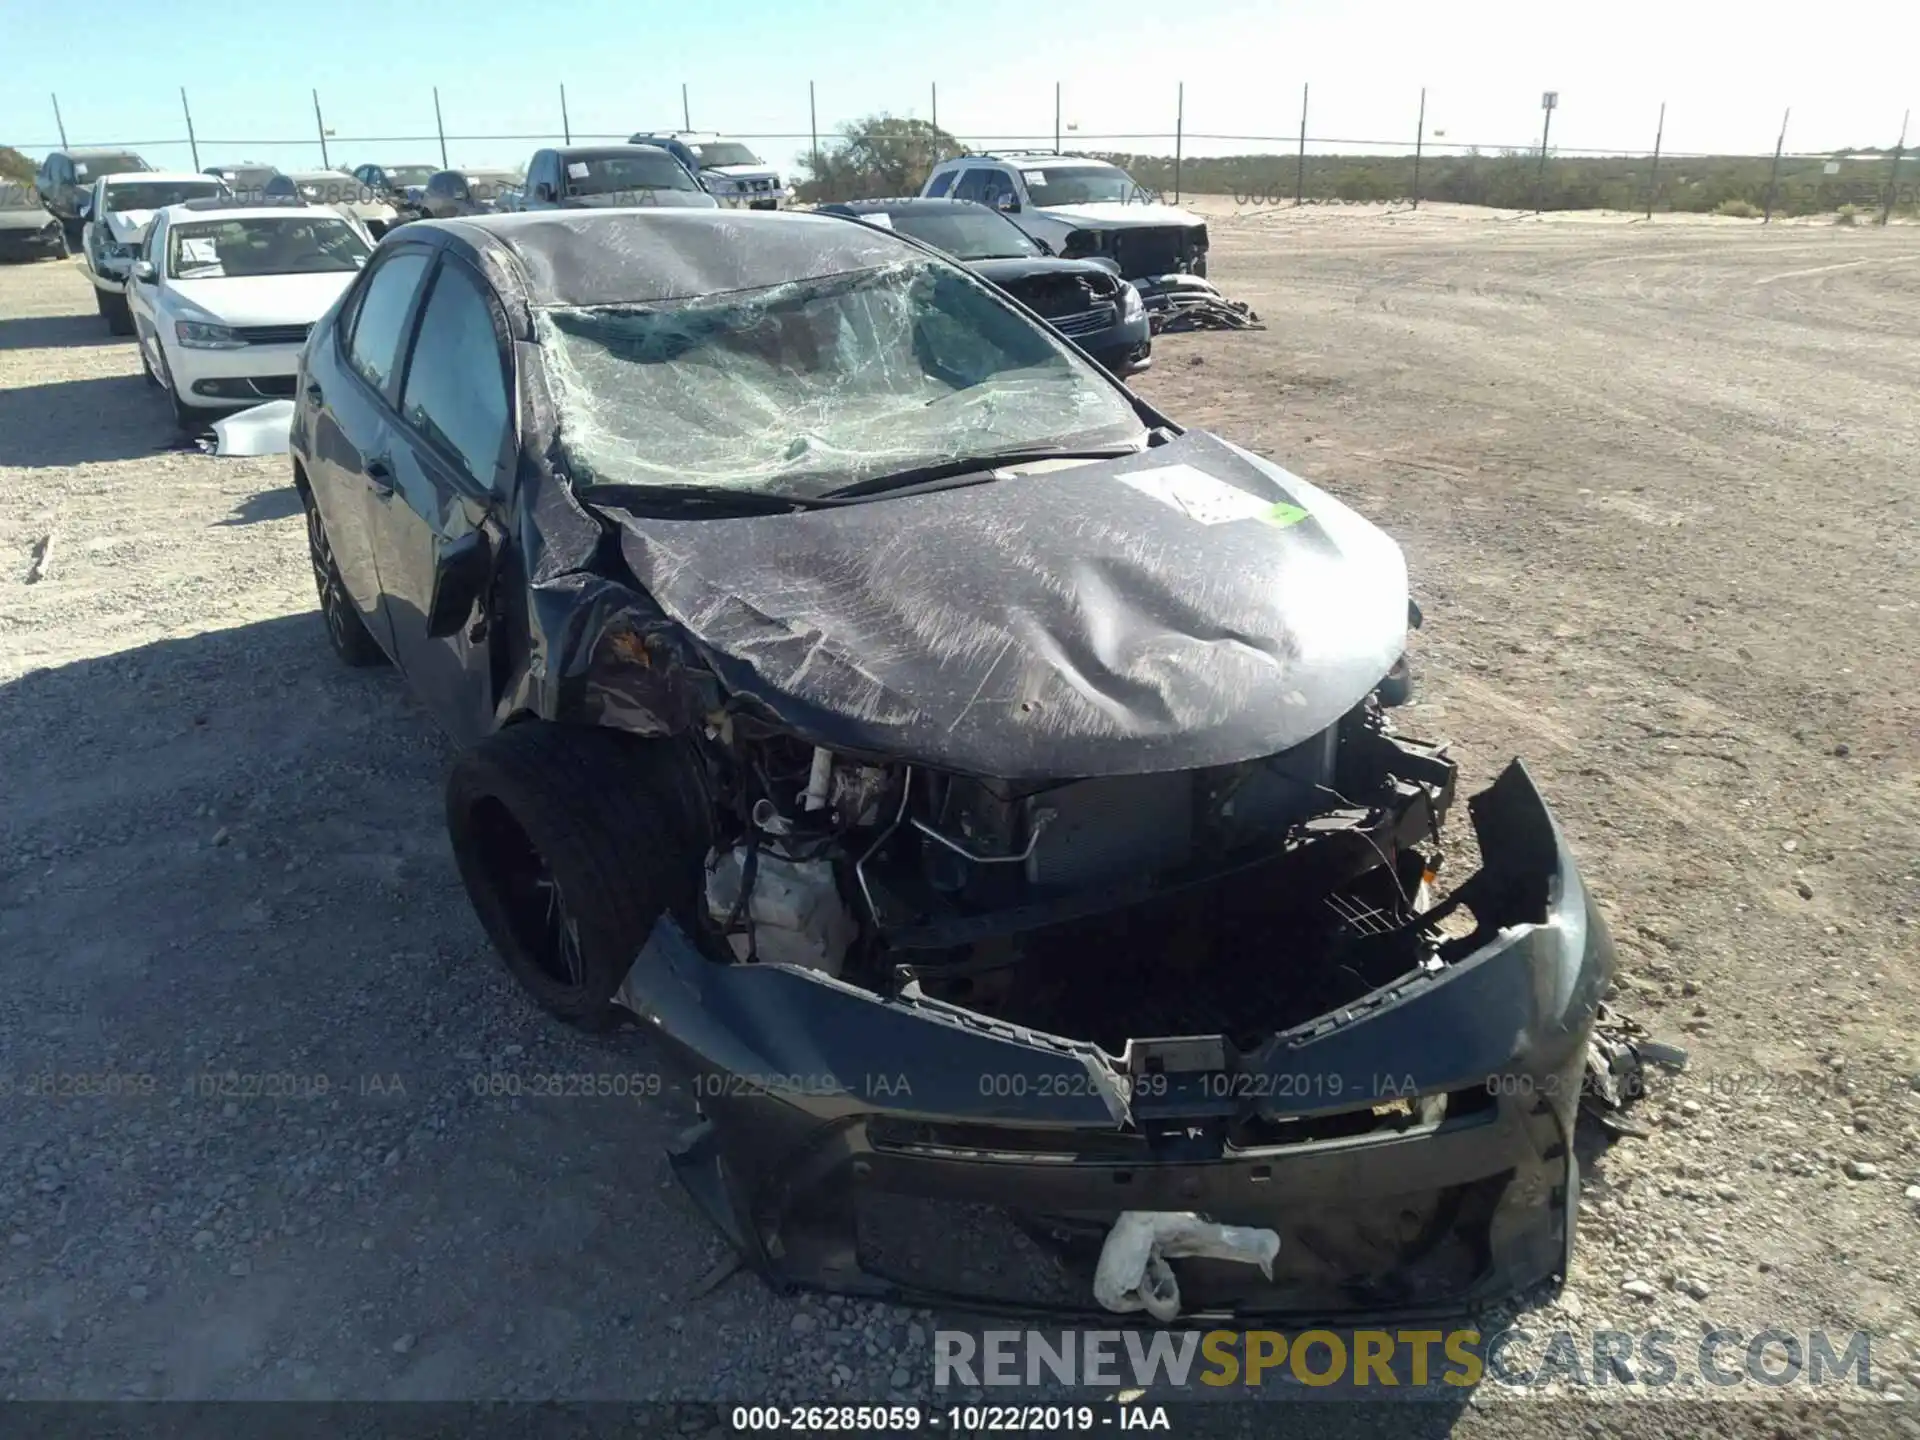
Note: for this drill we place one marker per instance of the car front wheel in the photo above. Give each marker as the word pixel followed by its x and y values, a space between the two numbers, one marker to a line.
pixel 572 842
pixel 190 420
pixel 346 631
pixel 113 310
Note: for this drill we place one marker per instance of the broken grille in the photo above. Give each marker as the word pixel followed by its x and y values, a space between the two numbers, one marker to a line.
pixel 1086 322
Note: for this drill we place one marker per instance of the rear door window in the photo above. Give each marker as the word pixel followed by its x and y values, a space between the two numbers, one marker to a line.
pixel 942 182
pixel 373 350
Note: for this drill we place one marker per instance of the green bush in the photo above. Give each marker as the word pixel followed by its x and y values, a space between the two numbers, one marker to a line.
pixel 1739 209
pixel 1846 214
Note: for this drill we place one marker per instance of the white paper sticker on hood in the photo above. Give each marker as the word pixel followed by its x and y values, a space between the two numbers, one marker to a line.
pixel 1207 499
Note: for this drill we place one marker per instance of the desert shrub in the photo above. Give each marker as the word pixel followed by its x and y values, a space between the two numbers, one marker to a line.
pixel 1739 209
pixel 1846 214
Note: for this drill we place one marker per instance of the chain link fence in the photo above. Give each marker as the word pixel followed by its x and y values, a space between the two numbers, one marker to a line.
pixel 1868 184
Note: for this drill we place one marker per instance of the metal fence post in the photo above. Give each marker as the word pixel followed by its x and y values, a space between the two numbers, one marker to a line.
pixel 566 125
pixel 59 124
pixel 933 89
pixel 1653 179
pixel 321 125
pixel 813 128
pixel 686 115
pixel 1300 171
pixel 1773 180
pixel 1893 175
pixel 1419 138
pixel 1179 137
pixel 193 145
pixel 1547 103
pixel 439 127
pixel 1056 117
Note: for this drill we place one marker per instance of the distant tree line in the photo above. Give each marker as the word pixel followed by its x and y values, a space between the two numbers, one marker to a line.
pixel 884 155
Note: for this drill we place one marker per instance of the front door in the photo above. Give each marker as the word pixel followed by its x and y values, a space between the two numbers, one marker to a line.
pixel 452 461
pixel 353 431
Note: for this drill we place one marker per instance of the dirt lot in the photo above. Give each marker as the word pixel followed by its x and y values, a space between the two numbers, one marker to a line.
pixel 1657 487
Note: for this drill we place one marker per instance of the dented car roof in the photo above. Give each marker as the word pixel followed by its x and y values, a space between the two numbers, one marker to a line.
pixel 655 255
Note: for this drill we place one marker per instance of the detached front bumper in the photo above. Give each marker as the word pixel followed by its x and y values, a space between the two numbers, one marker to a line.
pixel 1413 1150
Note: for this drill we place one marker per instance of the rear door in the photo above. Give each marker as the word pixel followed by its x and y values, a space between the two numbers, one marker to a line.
pixel 351 424
pixel 452 463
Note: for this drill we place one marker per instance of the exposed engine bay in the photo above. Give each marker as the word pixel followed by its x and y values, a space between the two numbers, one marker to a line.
pixel 1232 899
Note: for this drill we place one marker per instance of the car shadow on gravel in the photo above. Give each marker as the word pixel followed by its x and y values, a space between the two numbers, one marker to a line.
pixel 282 503
pixel 80 422
pixel 44 332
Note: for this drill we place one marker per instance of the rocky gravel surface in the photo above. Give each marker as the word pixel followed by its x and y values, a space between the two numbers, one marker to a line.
pixel 262 1137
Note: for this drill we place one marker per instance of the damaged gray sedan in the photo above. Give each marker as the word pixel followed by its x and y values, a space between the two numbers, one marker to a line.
pixel 982 787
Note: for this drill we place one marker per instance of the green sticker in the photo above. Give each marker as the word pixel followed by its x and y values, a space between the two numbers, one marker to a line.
pixel 1284 514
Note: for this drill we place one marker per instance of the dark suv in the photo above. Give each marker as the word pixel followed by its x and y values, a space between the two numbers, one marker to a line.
pixel 448 193
pixel 1085 300
pixel 66 176
pixel 982 789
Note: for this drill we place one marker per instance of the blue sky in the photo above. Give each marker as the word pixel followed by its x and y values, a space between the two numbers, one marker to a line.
pixel 1846 67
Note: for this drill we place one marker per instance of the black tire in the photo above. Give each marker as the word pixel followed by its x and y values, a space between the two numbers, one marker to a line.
pixel 190 420
pixel 346 631
pixel 113 310
pixel 572 842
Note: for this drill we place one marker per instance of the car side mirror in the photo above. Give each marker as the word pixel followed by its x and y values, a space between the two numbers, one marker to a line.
pixel 460 576
pixel 143 271
pixel 543 191
pixel 1006 204
pixel 83 207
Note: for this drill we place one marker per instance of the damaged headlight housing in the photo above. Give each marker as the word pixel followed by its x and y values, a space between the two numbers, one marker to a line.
pixel 197 335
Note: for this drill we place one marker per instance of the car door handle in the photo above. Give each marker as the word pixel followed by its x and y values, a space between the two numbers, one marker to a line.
pixel 380 479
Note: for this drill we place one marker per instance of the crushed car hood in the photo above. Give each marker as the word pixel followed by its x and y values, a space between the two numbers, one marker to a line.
pixel 128 226
pixel 1118 215
pixel 1012 270
pixel 1191 605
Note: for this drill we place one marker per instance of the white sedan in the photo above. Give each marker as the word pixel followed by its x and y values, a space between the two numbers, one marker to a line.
pixel 225 292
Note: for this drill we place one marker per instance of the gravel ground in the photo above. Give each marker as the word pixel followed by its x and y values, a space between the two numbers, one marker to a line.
pixel 1656 488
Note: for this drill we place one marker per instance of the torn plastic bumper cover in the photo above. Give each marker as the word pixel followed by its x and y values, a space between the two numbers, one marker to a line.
pixel 1412 1150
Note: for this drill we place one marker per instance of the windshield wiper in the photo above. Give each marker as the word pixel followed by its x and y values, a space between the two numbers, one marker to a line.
pixel 964 470
pixel 725 499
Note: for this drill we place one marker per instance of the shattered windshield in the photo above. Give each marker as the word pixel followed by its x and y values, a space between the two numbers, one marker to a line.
pixel 404 175
pixel 1082 185
pixel 158 194
pixel 264 245
pixel 803 387
pixel 967 234
pixel 724 152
